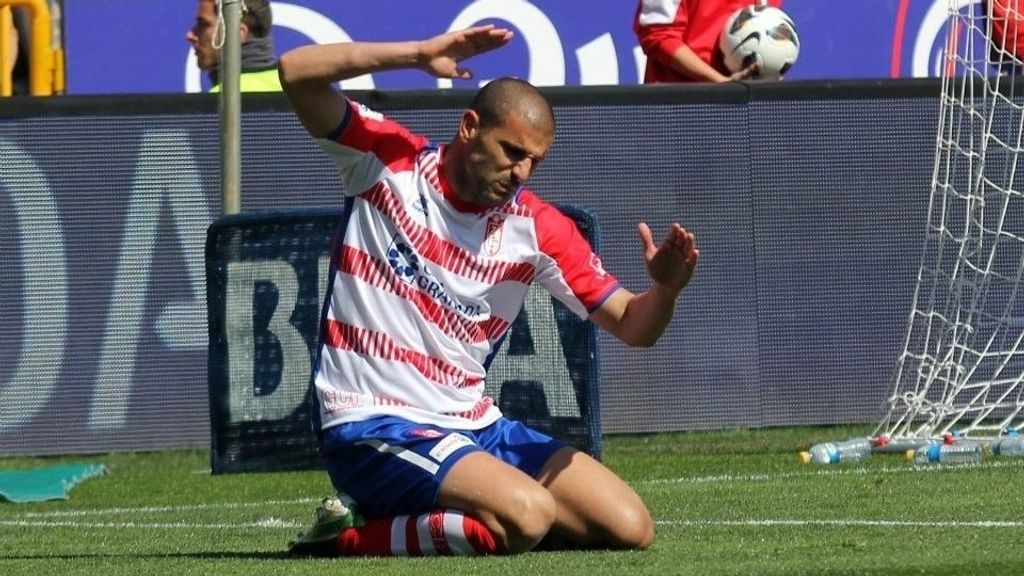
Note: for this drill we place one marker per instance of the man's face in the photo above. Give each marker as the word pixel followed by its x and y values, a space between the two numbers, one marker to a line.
pixel 501 158
pixel 201 35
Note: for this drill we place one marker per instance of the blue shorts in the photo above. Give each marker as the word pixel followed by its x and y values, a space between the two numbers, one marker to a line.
pixel 391 466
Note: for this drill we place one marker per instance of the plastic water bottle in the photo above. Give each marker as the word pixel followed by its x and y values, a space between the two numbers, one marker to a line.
pixel 1012 445
pixel 850 450
pixel 936 453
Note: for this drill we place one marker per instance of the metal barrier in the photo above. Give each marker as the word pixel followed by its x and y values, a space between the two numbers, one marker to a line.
pixel 46 57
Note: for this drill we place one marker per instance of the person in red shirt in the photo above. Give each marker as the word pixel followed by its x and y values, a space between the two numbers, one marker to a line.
pixel 1007 31
pixel 680 39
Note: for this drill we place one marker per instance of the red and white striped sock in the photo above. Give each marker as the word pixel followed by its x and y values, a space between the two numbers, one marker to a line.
pixel 441 532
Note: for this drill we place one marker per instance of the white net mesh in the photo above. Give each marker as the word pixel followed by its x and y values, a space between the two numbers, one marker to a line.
pixel 962 365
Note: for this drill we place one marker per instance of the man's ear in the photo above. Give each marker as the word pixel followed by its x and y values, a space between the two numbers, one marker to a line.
pixel 469 126
pixel 243 32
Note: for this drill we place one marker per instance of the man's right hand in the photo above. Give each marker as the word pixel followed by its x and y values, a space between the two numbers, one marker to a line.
pixel 441 54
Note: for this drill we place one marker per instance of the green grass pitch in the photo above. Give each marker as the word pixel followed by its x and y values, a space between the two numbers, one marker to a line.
pixel 725 502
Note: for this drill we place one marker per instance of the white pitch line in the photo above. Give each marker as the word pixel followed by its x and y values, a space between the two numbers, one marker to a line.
pixel 850 522
pixel 268 523
pixel 842 471
pixel 275 523
pixel 25 519
pixel 157 509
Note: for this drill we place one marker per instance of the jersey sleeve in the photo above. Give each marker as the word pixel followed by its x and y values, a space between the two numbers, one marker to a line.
pixel 660 27
pixel 569 268
pixel 367 146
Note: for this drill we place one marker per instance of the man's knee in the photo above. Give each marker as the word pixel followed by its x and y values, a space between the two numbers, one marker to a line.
pixel 531 517
pixel 635 529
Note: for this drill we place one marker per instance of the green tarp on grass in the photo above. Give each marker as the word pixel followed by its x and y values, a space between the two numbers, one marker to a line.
pixel 38 484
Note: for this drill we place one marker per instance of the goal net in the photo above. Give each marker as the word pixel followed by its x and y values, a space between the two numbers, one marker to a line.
pixel 961 370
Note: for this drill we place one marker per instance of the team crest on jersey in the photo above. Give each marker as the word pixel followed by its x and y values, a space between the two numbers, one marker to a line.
pixel 492 236
pixel 595 263
pixel 403 261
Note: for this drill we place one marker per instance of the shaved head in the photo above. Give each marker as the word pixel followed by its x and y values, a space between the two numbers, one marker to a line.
pixel 495 101
pixel 504 134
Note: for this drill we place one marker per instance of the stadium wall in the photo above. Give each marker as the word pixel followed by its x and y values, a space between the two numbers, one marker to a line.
pixel 808 199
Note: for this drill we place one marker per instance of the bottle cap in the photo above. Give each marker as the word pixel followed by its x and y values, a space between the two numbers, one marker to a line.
pixel 805 457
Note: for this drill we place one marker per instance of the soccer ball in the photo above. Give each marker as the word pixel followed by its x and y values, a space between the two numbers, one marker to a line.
pixel 760 34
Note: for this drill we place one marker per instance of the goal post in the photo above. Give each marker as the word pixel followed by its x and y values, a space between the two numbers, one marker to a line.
pixel 961 368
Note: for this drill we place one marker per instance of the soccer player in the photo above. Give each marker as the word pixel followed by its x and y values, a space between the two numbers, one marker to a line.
pixel 680 39
pixel 436 250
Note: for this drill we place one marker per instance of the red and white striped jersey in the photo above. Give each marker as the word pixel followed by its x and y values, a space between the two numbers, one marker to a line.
pixel 424 285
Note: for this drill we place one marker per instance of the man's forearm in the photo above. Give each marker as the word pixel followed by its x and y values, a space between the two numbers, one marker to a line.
pixel 329 63
pixel 637 319
pixel 647 316
pixel 686 62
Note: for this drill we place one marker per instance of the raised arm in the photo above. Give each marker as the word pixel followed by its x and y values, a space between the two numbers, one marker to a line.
pixel 309 72
pixel 641 319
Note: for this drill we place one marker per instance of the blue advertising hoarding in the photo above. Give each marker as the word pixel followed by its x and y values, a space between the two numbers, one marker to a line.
pixel 810 234
pixel 130 46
